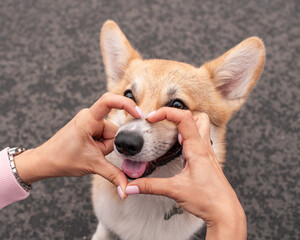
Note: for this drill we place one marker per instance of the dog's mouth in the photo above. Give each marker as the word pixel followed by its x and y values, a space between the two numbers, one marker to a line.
pixel 135 169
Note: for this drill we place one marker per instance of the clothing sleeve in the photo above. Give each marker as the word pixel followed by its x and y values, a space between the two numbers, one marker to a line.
pixel 10 190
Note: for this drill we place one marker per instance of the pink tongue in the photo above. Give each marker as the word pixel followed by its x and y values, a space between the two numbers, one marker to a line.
pixel 134 169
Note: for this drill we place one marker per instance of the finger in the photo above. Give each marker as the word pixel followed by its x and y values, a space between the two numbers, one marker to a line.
pixel 112 174
pixel 183 118
pixel 109 101
pixel 109 130
pixel 153 186
pixel 203 124
pixel 106 146
pixel 105 137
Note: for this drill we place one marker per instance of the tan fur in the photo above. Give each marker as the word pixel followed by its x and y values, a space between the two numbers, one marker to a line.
pixel 218 88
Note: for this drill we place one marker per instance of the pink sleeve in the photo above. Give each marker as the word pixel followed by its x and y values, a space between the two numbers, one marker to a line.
pixel 10 190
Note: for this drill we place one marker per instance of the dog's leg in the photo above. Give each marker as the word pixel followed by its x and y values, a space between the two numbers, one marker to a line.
pixel 102 233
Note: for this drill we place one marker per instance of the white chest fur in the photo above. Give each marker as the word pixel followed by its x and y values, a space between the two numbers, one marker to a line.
pixel 141 217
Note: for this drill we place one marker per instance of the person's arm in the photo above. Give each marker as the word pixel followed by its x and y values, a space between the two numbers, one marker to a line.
pixel 79 148
pixel 10 189
pixel 201 188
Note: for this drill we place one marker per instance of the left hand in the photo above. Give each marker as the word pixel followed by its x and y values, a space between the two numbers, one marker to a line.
pixel 79 147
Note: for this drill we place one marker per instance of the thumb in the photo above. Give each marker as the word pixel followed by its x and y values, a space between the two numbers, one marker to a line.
pixel 153 186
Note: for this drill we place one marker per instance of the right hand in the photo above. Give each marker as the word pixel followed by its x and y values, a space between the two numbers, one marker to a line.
pixel 201 188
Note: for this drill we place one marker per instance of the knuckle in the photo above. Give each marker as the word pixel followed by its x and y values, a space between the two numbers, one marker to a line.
pixel 81 117
pixel 188 115
pixel 203 117
pixel 205 153
pixel 83 112
pixel 148 188
pixel 106 96
pixel 112 178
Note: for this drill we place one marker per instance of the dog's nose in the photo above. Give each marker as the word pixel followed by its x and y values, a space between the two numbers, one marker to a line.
pixel 129 143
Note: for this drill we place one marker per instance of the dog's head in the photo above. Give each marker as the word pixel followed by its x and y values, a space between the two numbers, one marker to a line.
pixel 218 88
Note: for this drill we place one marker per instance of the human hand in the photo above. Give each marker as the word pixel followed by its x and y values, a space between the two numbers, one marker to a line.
pixel 200 188
pixel 80 146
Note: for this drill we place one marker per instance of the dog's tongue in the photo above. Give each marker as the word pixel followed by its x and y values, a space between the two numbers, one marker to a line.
pixel 134 169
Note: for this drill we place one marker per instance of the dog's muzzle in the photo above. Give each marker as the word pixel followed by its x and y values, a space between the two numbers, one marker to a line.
pixel 131 143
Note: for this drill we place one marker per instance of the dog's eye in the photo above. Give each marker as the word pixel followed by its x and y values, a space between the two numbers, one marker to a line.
pixel 178 104
pixel 129 94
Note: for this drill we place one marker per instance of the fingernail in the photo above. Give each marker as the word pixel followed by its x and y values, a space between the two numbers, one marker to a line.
pixel 120 192
pixel 180 138
pixel 139 111
pixel 150 114
pixel 132 190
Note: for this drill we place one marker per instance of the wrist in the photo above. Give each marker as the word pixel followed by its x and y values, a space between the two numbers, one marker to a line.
pixel 28 166
pixel 233 226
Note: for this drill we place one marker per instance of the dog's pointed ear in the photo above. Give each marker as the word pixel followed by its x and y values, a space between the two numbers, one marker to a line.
pixel 116 52
pixel 236 72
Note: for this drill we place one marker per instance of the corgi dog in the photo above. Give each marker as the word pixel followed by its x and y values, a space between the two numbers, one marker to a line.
pixel 218 88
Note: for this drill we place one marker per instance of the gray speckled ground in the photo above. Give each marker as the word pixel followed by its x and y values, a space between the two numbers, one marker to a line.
pixel 50 67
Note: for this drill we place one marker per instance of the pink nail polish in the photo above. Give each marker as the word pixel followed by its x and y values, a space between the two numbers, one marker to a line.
pixel 139 111
pixel 132 190
pixel 180 138
pixel 120 192
pixel 150 114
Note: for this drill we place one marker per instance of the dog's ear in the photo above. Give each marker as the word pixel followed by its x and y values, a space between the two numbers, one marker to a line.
pixel 236 72
pixel 116 51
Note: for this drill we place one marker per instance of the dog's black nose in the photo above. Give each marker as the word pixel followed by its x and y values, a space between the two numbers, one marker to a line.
pixel 129 143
